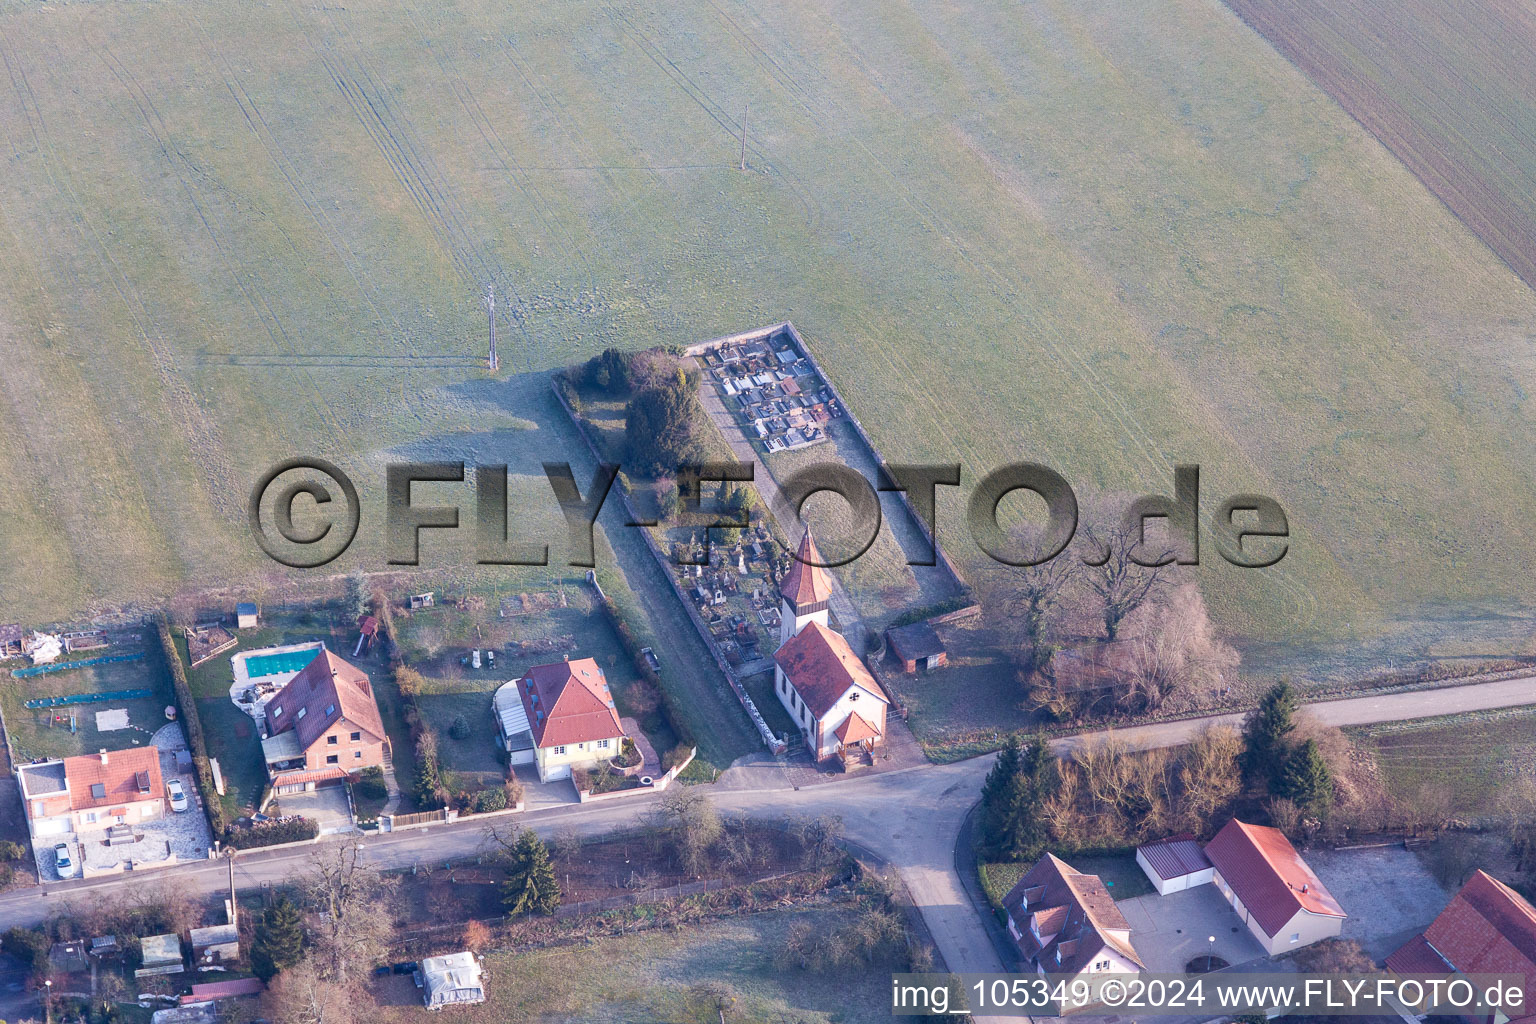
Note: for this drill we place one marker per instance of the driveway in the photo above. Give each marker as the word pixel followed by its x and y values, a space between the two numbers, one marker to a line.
pixel 1170 931
pixel 1387 892
pixel 327 805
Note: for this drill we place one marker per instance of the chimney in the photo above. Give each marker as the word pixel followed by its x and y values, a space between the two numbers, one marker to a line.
pixel 103 755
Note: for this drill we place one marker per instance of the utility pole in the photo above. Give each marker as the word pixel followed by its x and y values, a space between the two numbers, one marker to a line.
pixel 234 907
pixel 744 110
pixel 490 311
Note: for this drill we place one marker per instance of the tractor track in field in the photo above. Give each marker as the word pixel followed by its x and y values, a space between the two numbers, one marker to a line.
pixel 416 171
pixel 291 174
pixel 249 287
pixel 205 443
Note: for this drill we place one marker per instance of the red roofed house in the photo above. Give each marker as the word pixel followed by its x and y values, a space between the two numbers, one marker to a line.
pixel 1272 889
pixel 571 715
pixel 93 792
pixel 820 681
pixel 1065 922
pixel 322 726
pixel 1487 928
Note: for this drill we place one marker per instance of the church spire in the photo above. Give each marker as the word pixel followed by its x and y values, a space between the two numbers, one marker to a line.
pixel 806 586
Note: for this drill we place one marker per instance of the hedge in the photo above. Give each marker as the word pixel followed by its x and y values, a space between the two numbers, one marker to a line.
pixel 271 833
pixel 186 705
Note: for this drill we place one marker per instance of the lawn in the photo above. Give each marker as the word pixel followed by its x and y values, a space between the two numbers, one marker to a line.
pixel 46 732
pixel 647 978
pixel 1473 755
pixel 1105 236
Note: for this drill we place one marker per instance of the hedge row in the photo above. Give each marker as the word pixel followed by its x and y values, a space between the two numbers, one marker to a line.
pixel 193 726
pixel 631 647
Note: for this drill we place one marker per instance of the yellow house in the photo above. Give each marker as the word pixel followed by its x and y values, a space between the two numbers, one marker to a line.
pixel 571 715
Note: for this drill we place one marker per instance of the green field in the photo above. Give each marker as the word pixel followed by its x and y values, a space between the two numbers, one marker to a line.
pixel 1106 236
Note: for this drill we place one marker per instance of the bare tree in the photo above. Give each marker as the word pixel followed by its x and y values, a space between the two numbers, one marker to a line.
pixel 1117 563
pixel 1209 776
pixel 1175 651
pixel 352 908
pixel 303 995
pixel 1025 600
pixel 690 824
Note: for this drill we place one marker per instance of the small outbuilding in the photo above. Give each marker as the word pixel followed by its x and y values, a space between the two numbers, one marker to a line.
pixel 427 600
pixel 1174 864
pixel 454 979
pixel 917 647
pixel 218 944
pixel 12 640
pixel 68 957
pixel 161 955
pixel 246 615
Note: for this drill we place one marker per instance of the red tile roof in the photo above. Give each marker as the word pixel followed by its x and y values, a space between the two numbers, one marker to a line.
pixel 1417 956
pixel 1268 875
pixel 1077 917
pixel 224 990
pixel 569 702
pixel 1487 928
pixel 856 730
pixel 822 667
pixel 806 583
pixel 119 778
pixel 327 682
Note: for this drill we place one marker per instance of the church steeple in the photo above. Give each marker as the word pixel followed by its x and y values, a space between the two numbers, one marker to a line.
pixel 805 590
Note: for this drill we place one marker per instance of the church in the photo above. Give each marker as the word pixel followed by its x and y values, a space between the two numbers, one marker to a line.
pixel 823 685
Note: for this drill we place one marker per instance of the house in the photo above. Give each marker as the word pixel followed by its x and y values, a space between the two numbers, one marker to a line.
pixel 92 792
pixel 1065 922
pixel 1174 864
pixel 218 944
pixel 917 647
pixel 322 726
pixel 1273 890
pixel 161 955
pixel 1487 928
pixel 570 715
pixel 826 689
pixel 246 615
pixel 453 979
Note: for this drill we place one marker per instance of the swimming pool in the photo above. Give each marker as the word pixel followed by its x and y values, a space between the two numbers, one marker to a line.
pixel 258 665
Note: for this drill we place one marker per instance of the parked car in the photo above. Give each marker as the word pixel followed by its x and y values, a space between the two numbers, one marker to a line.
pixel 177 794
pixel 61 862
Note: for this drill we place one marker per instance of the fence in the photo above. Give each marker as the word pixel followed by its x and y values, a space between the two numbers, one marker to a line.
pixel 65 666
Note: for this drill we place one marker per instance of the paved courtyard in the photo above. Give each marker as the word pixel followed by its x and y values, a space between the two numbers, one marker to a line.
pixel 1170 931
pixel 1388 894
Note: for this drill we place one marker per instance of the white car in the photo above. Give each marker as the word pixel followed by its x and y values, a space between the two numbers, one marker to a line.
pixel 177 794
pixel 61 862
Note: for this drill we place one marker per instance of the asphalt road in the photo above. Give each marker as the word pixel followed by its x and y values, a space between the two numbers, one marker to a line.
pixel 911 817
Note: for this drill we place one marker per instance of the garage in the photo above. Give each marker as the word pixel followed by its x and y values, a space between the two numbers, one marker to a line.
pixel 1174 864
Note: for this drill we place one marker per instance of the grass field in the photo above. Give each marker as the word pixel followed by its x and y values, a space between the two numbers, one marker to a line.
pixel 647 978
pixel 1473 755
pixel 1106 236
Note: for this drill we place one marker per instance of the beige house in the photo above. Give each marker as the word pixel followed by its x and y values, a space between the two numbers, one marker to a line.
pixel 569 712
pixel 1273 890
pixel 322 726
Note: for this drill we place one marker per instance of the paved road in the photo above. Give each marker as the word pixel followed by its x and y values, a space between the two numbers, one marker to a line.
pixel 910 817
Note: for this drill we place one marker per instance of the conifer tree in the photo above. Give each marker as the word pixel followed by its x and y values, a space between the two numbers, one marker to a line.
pixel 279 940
pixel 1306 780
pixel 531 886
pixel 1267 738
pixel 1010 825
